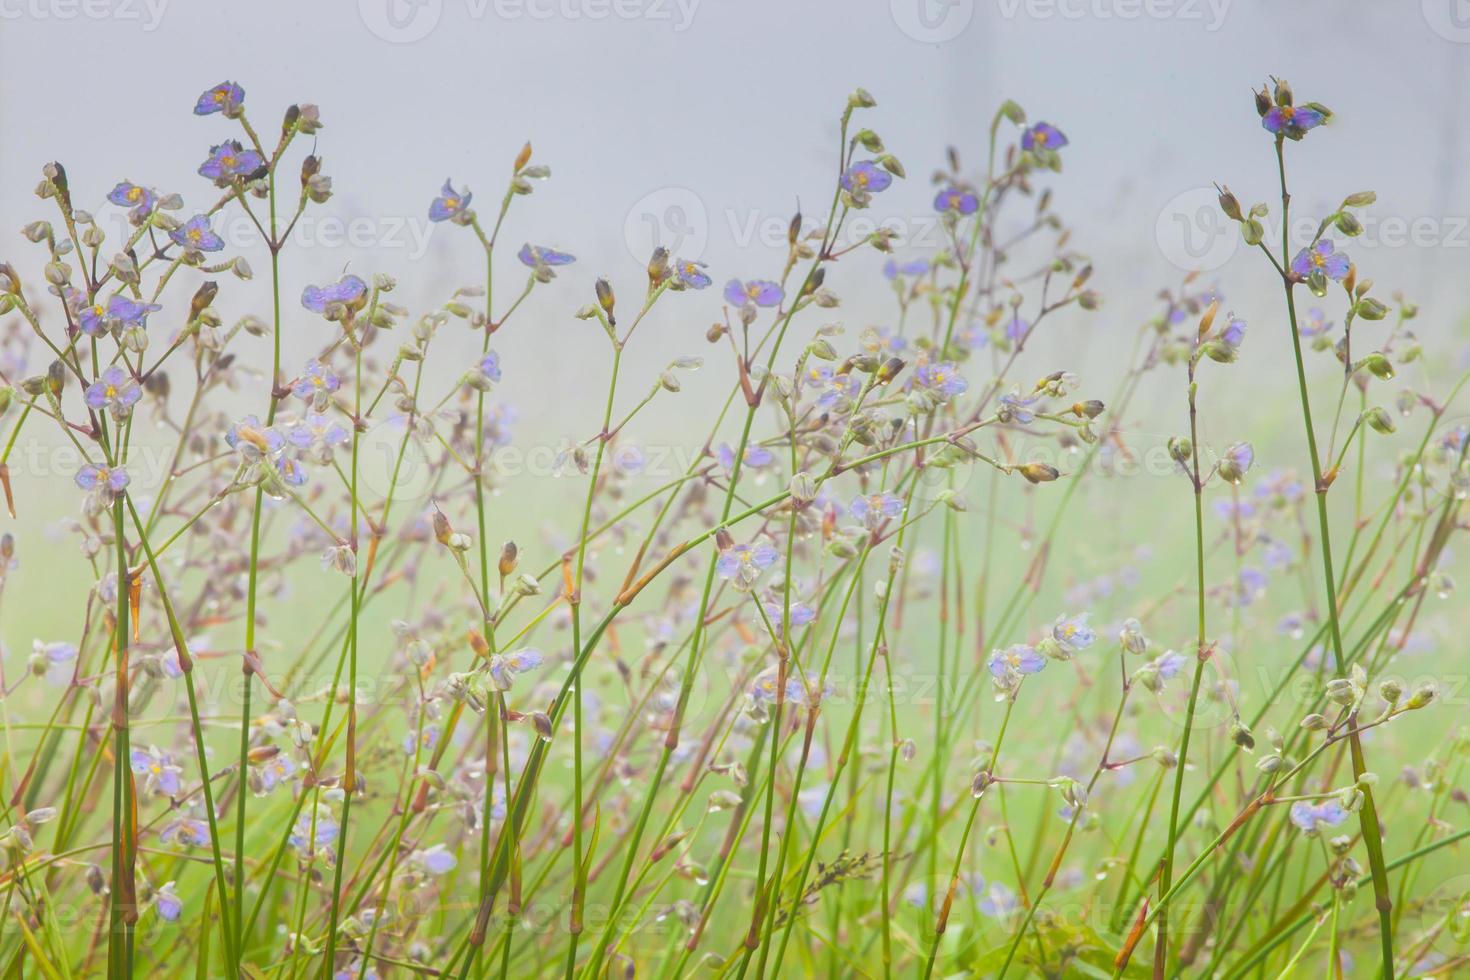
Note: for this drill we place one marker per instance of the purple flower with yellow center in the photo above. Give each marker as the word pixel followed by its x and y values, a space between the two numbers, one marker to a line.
pixel 691 274
pixel 1313 817
pixel 1043 136
pixel 197 236
pixel 313 832
pixel 761 292
pixel 505 666
pixel 942 378
pixel 102 480
pixel 744 562
pixel 273 772
pixel 186 831
pixel 122 310
pixel 892 269
pixel 754 457
pixel 490 366
pixel 316 380
pixel 873 509
pixel 763 689
pixel 135 196
pixel 1292 122
pixel 332 298
pixel 1320 258
pixel 229 159
pixel 865 175
pixel 1015 661
pixel 958 200
pixel 226 97
pixel 831 387
pixel 450 203
pixel 115 391
pixel 1073 632
pixel 1316 323
pixel 318 433
pixel 541 257
pixel 160 774
pixel 253 440
pixel 1018 409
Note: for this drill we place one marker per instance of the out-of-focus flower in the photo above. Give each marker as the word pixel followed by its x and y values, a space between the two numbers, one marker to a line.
pixel 743 563
pixel 754 457
pixel 1017 660
pixel 759 292
pixel 941 378
pixel 317 381
pixel 1043 136
pixel 956 199
pixel 1312 817
pixel 874 508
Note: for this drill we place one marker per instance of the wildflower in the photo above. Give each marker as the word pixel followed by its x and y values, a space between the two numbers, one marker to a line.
pixel 754 457
pixel 800 614
pixel 505 666
pixel 317 381
pixel 542 259
pixel 167 904
pixel 1316 323
pixel 253 440
pixel 1311 818
pixel 865 176
pixel 333 299
pixel 45 655
pixel 1320 258
pixel 957 200
pixel 490 366
pixel 999 902
pixel 744 563
pixel 690 274
pixel 1073 632
pixel 450 204
pixel 195 235
pixel 115 391
pixel 185 830
pixel 942 379
pixel 832 387
pixel 1015 408
pixel 1236 462
pixel 763 688
pixel 160 774
pixel 435 860
pixel 141 200
pixel 1293 122
pixel 102 483
pixel 1043 136
pixel 760 292
pixel 1015 661
pixel 274 771
pixel 307 839
pixel 892 269
pixel 226 97
pixel 228 160
pixel 122 311
pixel 872 509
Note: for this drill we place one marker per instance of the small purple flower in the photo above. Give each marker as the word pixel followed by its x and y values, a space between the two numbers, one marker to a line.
pixel 226 97
pixel 1073 632
pixel 197 236
pixel 763 688
pixel 541 257
pixel 1292 122
pixel 892 269
pixel 306 840
pixel 1233 334
pixel 330 299
pixel 831 387
pixel 866 176
pixel 103 480
pixel 1316 323
pixel 124 311
pixel 1236 462
pixel 744 562
pixel 1311 818
pixel 230 159
pixel 800 614
pixel 318 434
pixel 505 666
pixel 754 457
pixel 115 391
pixel 253 440
pixel 490 366
pixel 1017 329
pixel 1169 664
pixel 999 902
pixel 167 904
pixel 691 274
pixel 942 378
pixel 873 509
pixel 436 860
pixel 160 774
pixel 139 199
pixel 1017 660
pixel 273 772
pixel 761 292
pixel 450 203
pixel 1015 408
pixel 957 200
pixel 1043 136
pixel 317 380
pixel 1320 258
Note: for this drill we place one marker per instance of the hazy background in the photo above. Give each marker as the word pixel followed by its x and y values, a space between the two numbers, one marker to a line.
pixel 701 125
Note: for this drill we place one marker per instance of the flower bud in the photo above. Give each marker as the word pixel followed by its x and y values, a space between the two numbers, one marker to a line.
pixel 1039 472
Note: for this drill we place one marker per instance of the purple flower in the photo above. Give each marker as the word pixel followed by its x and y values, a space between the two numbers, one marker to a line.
pixel 754 457
pixel 105 480
pixel 761 292
pixel 331 298
pixel 318 434
pixel 866 176
pixel 1320 258
pixel 1017 329
pixel 273 772
pixel 892 269
pixel 1316 323
pixel 832 387
pixel 436 860
pixel 129 195
pixel 312 832
pixel 1233 333
pixel 226 97
pixel 1015 661
pixel 1236 461
pixel 114 391
pixel 873 508
pixel 1292 121
pixel 1073 632
pixel 744 562
pixel 168 905
pixel 541 257
pixel 763 688
pixel 1014 408
pixel 316 380
pixel 801 614
pixel 490 366
pixel 196 235
pixel 160 774
pixel 957 200
pixel 691 274
pixel 254 441
pixel 1043 136
pixel 942 378
pixel 124 311
pixel 1169 664
pixel 505 666
pixel 1328 813
pixel 450 203
pixel 229 159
